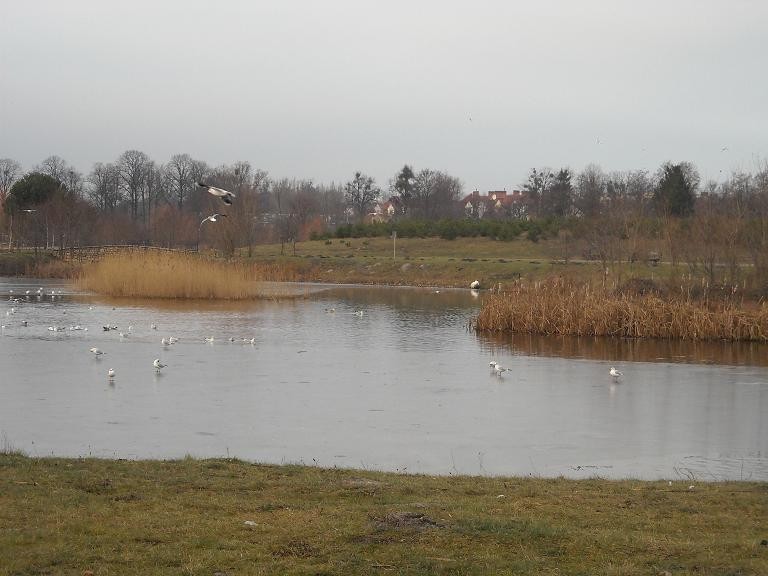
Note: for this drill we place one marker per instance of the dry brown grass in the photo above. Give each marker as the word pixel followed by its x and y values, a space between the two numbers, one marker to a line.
pixel 555 307
pixel 178 275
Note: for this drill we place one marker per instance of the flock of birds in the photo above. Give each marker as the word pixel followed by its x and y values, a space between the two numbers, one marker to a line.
pixel 496 368
pixel 165 341
pixel 32 296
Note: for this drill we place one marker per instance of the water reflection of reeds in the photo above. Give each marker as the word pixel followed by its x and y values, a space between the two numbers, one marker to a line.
pixel 628 349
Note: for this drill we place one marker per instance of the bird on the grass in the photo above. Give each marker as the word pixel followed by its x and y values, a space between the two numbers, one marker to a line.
pixel 615 373
pixel 158 365
pixel 225 195
pixel 212 218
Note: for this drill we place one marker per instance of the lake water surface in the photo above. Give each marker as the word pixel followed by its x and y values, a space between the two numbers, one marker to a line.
pixel 404 387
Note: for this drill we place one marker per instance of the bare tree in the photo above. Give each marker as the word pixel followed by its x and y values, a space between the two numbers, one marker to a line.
pixel 361 193
pixel 446 191
pixel 55 167
pixel 133 166
pixel 153 192
pixel 304 206
pixel 590 191
pixel 179 171
pixel 10 171
pixel 331 198
pixel 282 193
pixel 422 193
pixel 104 186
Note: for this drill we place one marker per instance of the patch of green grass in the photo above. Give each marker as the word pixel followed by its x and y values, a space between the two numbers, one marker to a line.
pixel 440 262
pixel 66 516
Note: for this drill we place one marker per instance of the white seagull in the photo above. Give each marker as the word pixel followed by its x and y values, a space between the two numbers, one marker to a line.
pixel 212 218
pixel 615 373
pixel 497 368
pixel 97 352
pixel 111 373
pixel 475 285
pixel 158 365
pixel 225 195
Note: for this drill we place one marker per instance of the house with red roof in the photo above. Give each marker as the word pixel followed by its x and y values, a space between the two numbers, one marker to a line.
pixel 495 204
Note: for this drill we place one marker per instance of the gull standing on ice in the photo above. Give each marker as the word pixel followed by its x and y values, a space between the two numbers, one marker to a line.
pixel 497 368
pixel 158 365
pixel 111 373
pixel 225 195
pixel 97 352
pixel 615 373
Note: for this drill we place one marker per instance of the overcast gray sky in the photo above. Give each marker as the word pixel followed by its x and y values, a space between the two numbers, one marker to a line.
pixel 484 90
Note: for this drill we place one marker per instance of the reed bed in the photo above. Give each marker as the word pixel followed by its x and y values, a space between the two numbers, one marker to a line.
pixel 176 275
pixel 556 307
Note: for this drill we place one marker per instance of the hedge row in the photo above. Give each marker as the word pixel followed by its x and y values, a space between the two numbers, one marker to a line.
pixel 448 229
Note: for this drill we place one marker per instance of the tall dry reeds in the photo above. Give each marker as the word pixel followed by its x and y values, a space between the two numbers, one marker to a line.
pixel 174 275
pixel 562 308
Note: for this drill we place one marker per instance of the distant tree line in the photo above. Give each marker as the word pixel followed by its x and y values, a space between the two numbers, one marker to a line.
pixel 718 229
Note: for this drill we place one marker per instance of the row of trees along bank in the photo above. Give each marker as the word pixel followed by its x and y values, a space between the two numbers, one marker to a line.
pixel 718 229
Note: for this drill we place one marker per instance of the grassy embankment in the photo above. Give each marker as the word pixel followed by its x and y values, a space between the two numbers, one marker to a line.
pixel 423 261
pixel 44 264
pixel 418 262
pixel 69 516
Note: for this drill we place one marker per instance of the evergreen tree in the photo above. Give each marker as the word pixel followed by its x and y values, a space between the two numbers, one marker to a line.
pixel 676 192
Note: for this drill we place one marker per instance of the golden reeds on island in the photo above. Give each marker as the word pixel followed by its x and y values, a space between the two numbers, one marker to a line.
pixel 170 275
pixel 556 307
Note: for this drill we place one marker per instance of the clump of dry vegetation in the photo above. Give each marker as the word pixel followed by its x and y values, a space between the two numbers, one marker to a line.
pixel 177 275
pixel 557 307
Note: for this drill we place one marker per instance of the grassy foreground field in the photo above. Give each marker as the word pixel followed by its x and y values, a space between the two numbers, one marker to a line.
pixel 75 516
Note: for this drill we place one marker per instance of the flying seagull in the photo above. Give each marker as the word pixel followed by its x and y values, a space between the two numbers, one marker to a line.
pixel 225 195
pixel 212 218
